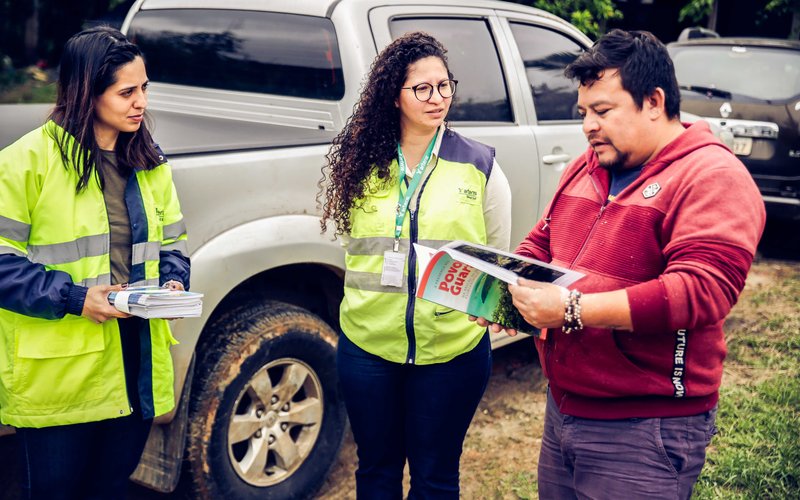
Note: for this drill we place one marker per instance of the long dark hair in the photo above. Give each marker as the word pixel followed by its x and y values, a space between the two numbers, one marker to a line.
pixel 88 67
pixel 369 138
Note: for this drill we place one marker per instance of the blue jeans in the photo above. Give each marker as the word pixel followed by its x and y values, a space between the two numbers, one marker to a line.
pixel 633 458
pixel 415 412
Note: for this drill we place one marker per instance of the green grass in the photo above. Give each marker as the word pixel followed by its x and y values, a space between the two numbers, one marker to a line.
pixel 522 485
pixel 756 453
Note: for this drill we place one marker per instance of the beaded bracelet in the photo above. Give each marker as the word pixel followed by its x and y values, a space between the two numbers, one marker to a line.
pixel 572 312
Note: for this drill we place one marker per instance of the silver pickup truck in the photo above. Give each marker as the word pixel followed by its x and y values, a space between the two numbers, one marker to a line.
pixel 246 97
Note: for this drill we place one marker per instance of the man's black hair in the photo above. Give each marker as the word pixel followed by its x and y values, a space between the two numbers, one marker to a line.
pixel 643 63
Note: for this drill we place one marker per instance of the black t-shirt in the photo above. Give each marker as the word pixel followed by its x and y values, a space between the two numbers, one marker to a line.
pixel 620 179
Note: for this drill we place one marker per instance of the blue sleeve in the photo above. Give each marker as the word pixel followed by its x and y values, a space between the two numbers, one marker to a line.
pixel 174 266
pixel 30 289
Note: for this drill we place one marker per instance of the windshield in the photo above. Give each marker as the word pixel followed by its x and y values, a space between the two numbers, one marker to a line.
pixel 757 72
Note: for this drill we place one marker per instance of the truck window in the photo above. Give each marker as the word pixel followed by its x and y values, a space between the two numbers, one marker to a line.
pixel 546 53
pixel 473 59
pixel 266 52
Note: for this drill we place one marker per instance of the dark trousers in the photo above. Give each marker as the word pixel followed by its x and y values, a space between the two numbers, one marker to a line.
pixel 647 458
pixel 415 412
pixel 90 460
pixel 81 461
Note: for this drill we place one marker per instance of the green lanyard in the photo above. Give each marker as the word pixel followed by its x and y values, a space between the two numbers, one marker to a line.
pixel 405 198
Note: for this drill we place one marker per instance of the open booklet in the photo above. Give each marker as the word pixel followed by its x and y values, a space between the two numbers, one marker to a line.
pixel 474 279
pixel 156 302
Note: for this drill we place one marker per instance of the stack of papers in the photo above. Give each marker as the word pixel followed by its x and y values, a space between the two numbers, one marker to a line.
pixel 155 302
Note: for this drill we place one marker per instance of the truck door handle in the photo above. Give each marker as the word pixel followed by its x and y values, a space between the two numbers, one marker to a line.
pixel 557 158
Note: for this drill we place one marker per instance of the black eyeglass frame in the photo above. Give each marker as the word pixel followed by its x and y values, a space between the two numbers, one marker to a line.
pixel 430 93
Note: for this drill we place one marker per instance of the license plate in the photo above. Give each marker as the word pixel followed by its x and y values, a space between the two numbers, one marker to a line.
pixel 742 146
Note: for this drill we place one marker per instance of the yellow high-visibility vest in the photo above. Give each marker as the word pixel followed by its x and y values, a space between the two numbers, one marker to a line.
pixel 70 370
pixel 389 321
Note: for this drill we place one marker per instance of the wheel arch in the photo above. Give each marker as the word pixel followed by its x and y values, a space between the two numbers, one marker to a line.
pixel 283 258
pixel 274 258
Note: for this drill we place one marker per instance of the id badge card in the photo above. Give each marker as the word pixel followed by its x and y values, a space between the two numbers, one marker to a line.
pixel 393 265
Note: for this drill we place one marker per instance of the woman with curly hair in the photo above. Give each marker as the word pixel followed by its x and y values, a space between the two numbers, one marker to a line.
pixel 412 372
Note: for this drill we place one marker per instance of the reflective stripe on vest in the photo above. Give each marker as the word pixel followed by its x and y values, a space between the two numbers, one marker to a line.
pixel 175 230
pixel 70 251
pixel 14 230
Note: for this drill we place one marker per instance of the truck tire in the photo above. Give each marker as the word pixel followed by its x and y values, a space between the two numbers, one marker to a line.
pixel 266 419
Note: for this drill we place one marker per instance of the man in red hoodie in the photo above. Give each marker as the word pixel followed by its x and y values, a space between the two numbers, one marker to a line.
pixel 664 221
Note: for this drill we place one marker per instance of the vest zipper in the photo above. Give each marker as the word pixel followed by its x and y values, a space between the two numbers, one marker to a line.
pixel 412 273
pixel 412 289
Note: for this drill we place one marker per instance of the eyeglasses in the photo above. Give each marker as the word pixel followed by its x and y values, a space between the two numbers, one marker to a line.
pixel 424 91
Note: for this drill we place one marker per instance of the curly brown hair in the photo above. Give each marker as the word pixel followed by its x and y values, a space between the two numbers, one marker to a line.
pixel 369 138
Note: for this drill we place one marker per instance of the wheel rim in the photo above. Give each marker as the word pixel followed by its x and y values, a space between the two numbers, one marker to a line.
pixel 276 421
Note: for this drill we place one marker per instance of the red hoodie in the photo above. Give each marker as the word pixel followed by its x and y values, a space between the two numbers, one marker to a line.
pixel 680 239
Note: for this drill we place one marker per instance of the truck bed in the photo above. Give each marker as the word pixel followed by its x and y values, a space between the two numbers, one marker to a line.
pixel 180 134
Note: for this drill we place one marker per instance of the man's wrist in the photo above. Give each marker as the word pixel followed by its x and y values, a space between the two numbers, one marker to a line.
pixel 572 312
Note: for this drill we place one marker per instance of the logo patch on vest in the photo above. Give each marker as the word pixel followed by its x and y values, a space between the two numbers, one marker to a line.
pixel 160 214
pixel 467 195
pixel 651 190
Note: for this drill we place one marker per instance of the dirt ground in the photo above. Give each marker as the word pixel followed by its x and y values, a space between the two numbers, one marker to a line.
pixel 502 446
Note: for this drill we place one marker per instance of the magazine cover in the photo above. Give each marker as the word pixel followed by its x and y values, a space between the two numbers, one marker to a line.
pixel 474 279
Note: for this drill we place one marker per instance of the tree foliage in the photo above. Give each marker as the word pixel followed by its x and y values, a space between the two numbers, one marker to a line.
pixel 35 30
pixel 699 10
pixel 695 10
pixel 589 16
pixel 785 8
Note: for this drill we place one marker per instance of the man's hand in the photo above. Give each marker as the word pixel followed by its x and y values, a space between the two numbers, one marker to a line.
pixel 96 307
pixel 541 304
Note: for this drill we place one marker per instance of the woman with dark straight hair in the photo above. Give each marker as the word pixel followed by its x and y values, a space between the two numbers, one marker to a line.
pixel 87 206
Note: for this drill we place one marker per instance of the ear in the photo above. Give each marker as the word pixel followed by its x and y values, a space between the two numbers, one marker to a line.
pixel 655 104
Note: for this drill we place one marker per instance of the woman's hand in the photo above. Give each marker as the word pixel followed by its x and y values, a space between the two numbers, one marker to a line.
pixel 173 285
pixel 493 327
pixel 96 307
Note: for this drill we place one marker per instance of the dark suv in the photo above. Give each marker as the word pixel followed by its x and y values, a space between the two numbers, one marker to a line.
pixel 752 88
